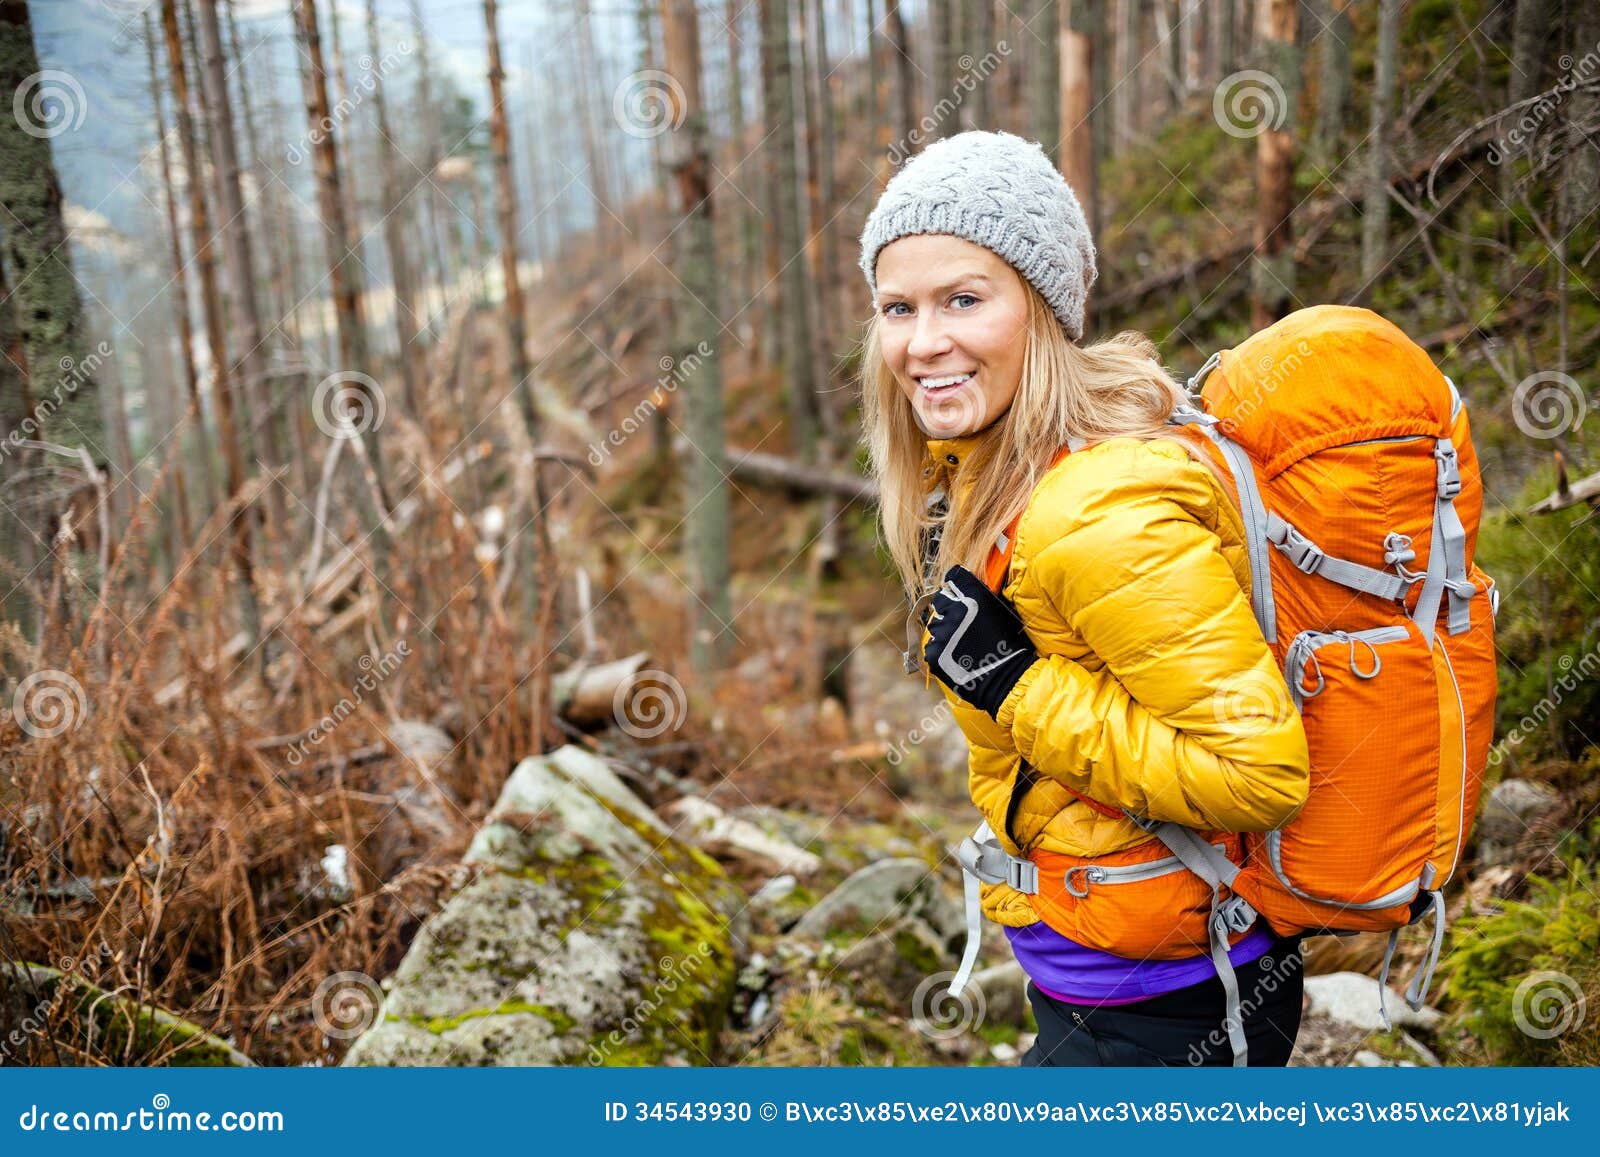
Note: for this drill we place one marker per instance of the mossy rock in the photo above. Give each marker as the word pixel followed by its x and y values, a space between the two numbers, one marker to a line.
pixel 589 936
pixel 87 1023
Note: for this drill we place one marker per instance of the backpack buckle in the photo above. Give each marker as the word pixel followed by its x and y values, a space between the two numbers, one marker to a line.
pixel 1304 553
pixel 1449 473
pixel 1023 875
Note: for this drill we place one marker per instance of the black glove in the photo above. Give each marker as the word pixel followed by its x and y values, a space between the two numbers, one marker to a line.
pixel 976 645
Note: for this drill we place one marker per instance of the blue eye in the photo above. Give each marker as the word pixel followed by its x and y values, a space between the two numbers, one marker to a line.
pixel 888 310
pixel 968 296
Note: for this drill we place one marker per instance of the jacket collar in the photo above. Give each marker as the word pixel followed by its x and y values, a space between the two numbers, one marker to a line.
pixel 948 454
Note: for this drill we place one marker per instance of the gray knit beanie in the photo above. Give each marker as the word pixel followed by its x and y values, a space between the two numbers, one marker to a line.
pixel 999 191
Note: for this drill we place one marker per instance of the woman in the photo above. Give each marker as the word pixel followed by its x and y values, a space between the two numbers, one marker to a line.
pixel 1097 683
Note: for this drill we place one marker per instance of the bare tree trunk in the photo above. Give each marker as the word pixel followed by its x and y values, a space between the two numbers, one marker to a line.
pixel 49 309
pixel 1077 90
pixel 816 229
pixel 248 342
pixel 710 637
pixel 429 114
pixel 180 309
pixel 122 486
pixel 21 540
pixel 211 303
pixel 394 232
pixel 943 23
pixel 1375 203
pixel 343 265
pixel 980 42
pixel 1221 34
pixel 506 199
pixel 827 194
pixel 594 150
pixel 905 77
pixel 1272 269
pixel 1582 178
pixel 795 314
pixel 1335 93
pixel 1126 101
pixel 1047 85
pixel 350 185
pixel 746 227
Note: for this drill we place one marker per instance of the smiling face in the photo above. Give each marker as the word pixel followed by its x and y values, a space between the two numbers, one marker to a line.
pixel 952 325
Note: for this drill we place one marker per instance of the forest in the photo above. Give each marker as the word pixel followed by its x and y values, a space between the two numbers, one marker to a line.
pixel 443 611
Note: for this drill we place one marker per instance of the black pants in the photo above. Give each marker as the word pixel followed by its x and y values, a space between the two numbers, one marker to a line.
pixel 1183 1027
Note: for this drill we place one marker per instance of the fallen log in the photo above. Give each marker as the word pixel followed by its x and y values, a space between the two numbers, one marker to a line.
pixel 772 470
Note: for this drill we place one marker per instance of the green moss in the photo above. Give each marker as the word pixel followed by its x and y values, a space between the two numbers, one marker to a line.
pixel 117 1030
pixel 559 1020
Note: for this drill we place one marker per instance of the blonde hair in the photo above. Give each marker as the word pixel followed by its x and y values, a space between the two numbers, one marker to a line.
pixel 1113 388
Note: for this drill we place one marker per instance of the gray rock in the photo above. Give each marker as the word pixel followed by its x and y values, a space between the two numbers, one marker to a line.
pixel 880 892
pixel 1511 808
pixel 1005 998
pixel 925 746
pixel 1351 998
pixel 705 825
pixel 588 936
pixel 900 958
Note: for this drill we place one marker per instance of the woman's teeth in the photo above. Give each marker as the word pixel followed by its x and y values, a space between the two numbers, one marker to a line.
pixel 943 383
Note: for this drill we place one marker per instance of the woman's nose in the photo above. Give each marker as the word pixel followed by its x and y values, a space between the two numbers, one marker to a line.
pixel 928 339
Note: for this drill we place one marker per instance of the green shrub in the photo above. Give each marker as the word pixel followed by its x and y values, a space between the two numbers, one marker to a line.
pixel 1526 977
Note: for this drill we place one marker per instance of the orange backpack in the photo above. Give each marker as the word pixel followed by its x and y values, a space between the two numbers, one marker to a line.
pixel 1353 470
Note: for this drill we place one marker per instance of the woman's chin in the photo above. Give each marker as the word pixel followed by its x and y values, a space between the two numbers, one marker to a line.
pixel 955 417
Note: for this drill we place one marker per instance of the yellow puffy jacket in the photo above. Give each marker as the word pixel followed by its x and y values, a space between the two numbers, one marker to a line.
pixel 1131 577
